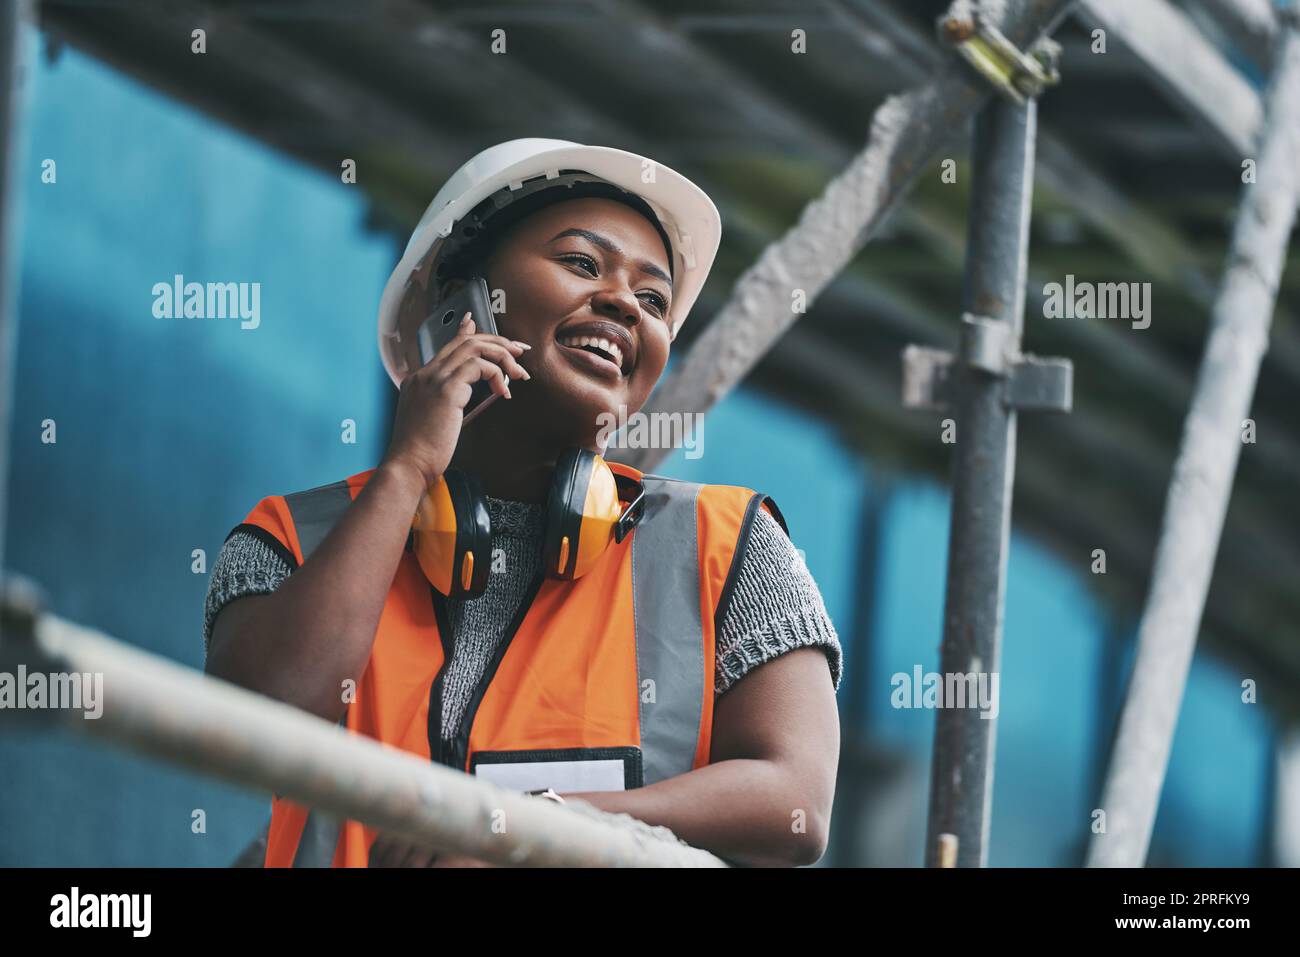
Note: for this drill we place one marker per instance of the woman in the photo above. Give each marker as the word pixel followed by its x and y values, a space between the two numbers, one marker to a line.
pixel 684 675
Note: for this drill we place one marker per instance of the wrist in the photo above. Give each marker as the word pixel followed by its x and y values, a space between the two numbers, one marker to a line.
pixel 408 476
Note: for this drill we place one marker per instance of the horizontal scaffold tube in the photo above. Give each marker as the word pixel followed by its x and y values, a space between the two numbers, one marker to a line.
pixel 184 717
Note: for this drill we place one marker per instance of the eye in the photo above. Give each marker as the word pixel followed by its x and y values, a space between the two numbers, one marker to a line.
pixel 660 304
pixel 583 261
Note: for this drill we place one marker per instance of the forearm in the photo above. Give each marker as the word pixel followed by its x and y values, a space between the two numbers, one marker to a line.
pixel 316 630
pixel 752 812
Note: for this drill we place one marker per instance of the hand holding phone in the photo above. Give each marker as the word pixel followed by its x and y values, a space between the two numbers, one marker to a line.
pixel 443 324
pixel 465 367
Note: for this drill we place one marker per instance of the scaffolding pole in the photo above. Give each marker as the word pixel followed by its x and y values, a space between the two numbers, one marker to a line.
pixel 907 133
pixel 153 706
pixel 961 778
pixel 1201 484
pixel 984 386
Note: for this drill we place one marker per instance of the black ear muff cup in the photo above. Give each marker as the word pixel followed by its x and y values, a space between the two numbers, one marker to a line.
pixel 564 509
pixel 473 555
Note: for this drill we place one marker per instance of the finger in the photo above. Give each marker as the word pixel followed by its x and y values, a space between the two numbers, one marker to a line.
pixel 517 346
pixel 468 334
pixel 502 356
pixel 454 352
pixel 477 368
pixel 490 372
pixel 467 327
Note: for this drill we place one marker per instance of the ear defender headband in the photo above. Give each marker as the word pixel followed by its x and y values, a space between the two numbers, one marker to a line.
pixel 452 531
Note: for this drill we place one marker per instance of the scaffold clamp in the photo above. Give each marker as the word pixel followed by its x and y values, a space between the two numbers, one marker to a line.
pixel 1031 383
pixel 1013 72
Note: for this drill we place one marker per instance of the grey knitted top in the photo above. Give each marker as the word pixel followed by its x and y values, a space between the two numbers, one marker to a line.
pixel 775 607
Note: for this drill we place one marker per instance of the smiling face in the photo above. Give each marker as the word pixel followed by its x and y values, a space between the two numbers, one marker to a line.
pixel 586 284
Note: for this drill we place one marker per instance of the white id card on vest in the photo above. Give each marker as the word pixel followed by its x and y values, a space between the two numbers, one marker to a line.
pixel 566 777
pixel 566 770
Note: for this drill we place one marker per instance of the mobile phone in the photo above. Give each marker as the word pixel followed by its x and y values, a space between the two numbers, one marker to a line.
pixel 444 322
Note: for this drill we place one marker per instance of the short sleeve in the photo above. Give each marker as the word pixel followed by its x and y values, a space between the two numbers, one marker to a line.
pixel 775 607
pixel 248 564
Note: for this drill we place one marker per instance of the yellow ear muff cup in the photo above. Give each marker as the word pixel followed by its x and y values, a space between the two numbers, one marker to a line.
pixel 434 535
pixel 600 510
pixel 452 531
pixel 453 535
pixel 581 512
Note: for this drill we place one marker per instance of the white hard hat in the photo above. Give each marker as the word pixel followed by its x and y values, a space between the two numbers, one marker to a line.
pixel 510 170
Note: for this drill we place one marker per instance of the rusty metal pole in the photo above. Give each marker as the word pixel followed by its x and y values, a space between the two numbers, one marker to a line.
pixel 961 783
pixel 985 385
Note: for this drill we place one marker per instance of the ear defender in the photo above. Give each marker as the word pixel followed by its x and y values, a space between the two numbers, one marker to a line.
pixel 453 535
pixel 452 530
pixel 583 513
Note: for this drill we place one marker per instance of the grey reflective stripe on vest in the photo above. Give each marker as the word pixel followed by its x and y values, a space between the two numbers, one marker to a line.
pixel 319 841
pixel 669 630
pixel 320 833
pixel 314 513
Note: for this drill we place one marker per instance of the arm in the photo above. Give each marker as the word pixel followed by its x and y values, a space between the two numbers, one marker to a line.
pixel 775 753
pixel 775 726
pixel 302 641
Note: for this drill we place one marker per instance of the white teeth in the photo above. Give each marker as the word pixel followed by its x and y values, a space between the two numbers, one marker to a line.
pixel 603 344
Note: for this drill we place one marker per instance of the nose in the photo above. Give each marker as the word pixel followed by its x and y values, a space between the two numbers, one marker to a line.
pixel 617 302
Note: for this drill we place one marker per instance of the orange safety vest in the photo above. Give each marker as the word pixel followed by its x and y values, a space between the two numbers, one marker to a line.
pixel 600 683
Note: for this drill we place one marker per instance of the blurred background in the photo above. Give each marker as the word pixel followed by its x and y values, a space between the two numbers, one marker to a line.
pixel 226 167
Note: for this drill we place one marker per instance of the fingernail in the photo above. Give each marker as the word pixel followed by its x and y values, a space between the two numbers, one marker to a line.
pixel 526 375
pixel 522 344
pixel 507 393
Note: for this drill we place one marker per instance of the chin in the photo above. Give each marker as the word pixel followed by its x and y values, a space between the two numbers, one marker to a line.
pixel 580 407
pixel 591 411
